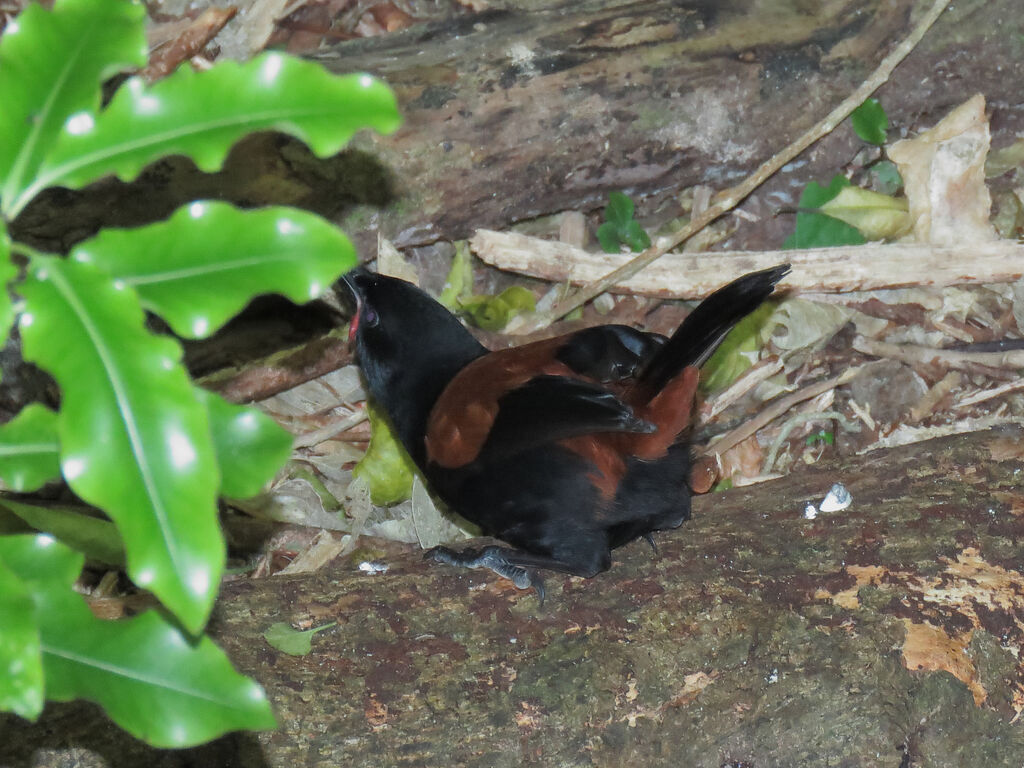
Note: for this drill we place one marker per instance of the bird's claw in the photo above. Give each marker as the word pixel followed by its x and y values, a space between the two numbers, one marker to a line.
pixel 523 578
pixel 649 538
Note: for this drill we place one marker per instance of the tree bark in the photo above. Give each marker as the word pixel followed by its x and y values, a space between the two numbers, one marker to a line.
pixel 887 634
pixel 515 114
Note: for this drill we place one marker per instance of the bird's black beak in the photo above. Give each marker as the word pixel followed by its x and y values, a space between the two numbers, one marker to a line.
pixel 351 280
pixel 351 297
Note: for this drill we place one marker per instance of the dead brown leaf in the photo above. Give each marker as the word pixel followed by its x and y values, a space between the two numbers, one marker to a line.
pixel 943 173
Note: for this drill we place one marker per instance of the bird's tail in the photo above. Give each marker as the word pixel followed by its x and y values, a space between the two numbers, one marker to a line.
pixel 705 327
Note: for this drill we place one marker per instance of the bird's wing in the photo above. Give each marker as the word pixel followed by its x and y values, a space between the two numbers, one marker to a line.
pixel 551 408
pixel 543 410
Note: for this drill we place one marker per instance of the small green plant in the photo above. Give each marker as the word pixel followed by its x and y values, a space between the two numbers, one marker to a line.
pixel 620 228
pixel 133 435
pixel 821 437
pixel 870 122
pixel 487 312
pixel 842 214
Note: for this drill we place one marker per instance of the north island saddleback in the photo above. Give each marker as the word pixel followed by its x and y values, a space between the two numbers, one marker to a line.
pixel 564 448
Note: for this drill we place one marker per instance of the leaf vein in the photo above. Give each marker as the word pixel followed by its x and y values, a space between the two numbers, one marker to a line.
pixel 135 676
pixel 124 409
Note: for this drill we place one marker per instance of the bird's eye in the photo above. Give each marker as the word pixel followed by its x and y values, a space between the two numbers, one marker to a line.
pixel 370 318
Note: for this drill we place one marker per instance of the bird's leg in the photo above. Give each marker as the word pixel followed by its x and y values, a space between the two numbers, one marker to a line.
pixel 498 559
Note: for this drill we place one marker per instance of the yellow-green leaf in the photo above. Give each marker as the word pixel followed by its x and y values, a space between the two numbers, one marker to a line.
pixel 294 642
pixel 492 313
pixel 818 230
pixel 386 467
pixel 459 283
pixel 874 215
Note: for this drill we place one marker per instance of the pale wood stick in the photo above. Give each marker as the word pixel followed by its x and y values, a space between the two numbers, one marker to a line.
pixel 823 270
pixel 730 198
pixel 926 405
pixel 951 358
pixel 317 436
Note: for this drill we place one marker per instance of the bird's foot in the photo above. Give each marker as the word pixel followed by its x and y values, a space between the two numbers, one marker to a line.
pixel 493 558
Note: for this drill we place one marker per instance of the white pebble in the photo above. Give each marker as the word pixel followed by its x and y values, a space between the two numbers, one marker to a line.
pixel 837 499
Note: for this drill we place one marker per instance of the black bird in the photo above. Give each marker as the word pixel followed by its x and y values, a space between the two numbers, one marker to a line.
pixel 564 448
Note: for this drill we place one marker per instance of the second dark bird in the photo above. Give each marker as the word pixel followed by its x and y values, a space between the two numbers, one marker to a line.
pixel 564 448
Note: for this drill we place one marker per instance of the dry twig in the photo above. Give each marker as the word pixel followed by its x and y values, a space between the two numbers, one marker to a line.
pixel 988 394
pixel 169 54
pixel 750 378
pixel 317 436
pixel 927 404
pixel 795 421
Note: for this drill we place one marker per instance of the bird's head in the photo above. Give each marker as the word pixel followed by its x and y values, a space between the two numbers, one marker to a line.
pixel 408 346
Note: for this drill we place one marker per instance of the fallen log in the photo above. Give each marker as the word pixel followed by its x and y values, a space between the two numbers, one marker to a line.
pixel 890 633
pixel 514 114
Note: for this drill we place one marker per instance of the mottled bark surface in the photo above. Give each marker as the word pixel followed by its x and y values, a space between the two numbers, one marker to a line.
pixel 514 114
pixel 888 634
